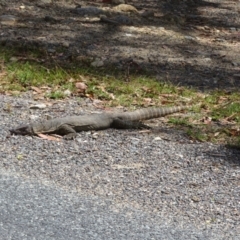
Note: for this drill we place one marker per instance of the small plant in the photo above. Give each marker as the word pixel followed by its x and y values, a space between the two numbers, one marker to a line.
pixel 230 111
pixel 197 134
pixel 56 95
pixel 178 121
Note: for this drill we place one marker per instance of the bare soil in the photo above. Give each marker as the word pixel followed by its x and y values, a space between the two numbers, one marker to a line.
pixel 191 43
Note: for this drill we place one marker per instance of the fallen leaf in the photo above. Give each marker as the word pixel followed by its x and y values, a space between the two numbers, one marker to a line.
pixel 231 117
pixel 216 134
pixel 167 95
pixel 71 80
pixel 235 132
pixel 38 106
pixel 67 92
pixel 206 120
pixel 48 137
pixel 98 103
pixel 81 86
pixel 164 102
pixel 105 91
pixel 83 78
pixel 13 59
pixel 90 96
pixel 222 99
pixel 195 199
pixel 38 97
pixel 111 95
pixel 147 100
pixel 15 92
pixel 45 88
pixel 36 89
pixel 146 89
pixel 97 63
pixel 19 156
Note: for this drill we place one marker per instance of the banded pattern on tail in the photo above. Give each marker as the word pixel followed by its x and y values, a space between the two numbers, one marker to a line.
pixel 148 113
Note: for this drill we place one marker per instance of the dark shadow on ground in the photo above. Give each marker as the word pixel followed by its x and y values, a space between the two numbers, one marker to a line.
pixel 169 46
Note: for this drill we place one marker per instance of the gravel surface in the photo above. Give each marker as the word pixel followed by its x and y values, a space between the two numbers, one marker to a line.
pixel 113 184
pixel 35 210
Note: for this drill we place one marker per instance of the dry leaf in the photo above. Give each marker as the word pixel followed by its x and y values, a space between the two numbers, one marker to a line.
pixel 71 80
pixel 231 117
pixel 235 132
pixel 216 134
pixel 147 100
pixel 111 95
pixel 207 120
pixel 45 88
pixel 81 86
pixel 15 92
pixel 36 89
pixel 222 99
pixel 39 97
pixel 48 137
pixel 2 74
pixel 104 90
pixel 90 96
pixel 98 103
pixel 167 95
pixel 146 89
pixel 164 102
pixel 83 78
pixel 38 106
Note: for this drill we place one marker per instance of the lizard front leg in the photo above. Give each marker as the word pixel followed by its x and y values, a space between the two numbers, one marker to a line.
pixel 67 131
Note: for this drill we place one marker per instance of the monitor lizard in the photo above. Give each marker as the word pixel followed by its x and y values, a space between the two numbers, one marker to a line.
pixel 70 125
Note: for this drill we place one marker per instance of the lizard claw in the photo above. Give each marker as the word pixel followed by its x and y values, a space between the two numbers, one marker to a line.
pixel 69 136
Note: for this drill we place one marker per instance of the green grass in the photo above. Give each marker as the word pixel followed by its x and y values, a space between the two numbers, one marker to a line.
pixel 179 121
pixel 56 95
pixel 216 118
pixel 197 134
pixel 30 74
pixel 229 111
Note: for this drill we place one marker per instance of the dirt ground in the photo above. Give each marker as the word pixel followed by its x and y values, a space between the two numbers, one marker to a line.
pixel 191 43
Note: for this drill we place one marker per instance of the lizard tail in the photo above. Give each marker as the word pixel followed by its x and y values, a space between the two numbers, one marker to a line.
pixel 148 113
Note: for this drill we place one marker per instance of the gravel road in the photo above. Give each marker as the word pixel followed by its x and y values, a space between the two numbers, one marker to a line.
pixel 35 210
pixel 113 184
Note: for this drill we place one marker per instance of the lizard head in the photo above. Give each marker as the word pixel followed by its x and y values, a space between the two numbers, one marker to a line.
pixel 22 130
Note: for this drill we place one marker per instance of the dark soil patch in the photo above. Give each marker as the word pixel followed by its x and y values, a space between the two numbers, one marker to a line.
pixel 191 43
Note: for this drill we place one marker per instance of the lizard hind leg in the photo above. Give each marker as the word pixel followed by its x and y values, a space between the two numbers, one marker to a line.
pixel 126 124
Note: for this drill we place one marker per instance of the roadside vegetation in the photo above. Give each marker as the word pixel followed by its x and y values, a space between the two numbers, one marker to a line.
pixel 215 116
